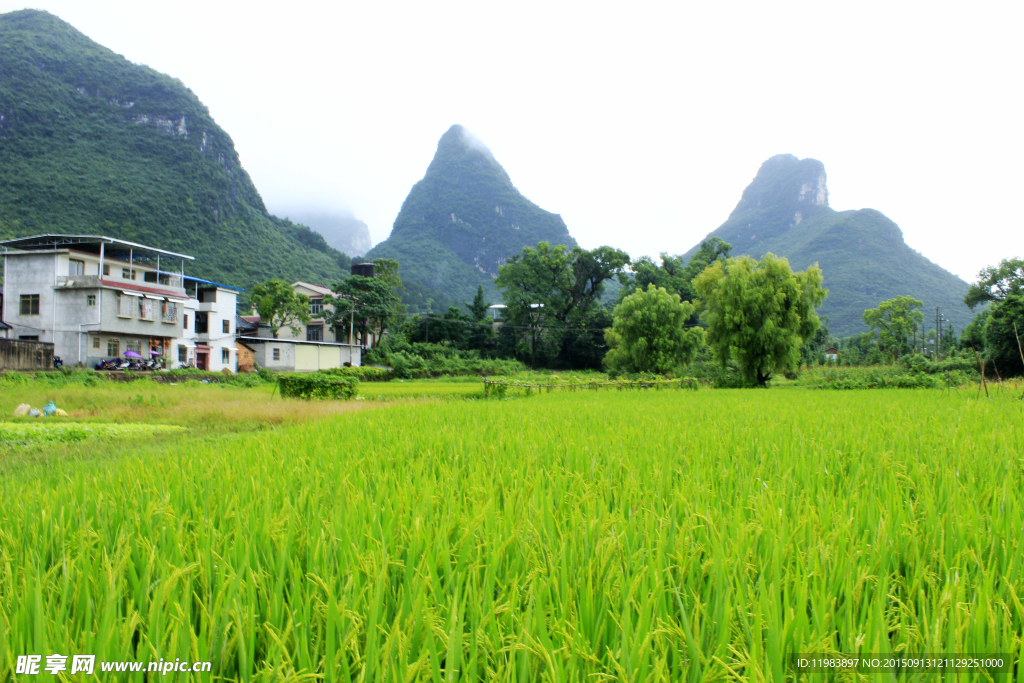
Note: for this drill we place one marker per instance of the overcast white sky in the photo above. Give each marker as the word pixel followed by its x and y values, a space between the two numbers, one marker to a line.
pixel 640 123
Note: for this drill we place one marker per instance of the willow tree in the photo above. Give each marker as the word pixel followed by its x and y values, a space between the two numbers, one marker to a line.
pixel 759 313
pixel 649 333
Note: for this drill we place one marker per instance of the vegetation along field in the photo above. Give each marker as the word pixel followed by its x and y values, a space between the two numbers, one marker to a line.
pixel 565 536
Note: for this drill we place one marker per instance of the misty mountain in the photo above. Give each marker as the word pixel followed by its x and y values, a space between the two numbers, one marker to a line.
pixel 463 220
pixel 92 143
pixel 343 231
pixel 862 255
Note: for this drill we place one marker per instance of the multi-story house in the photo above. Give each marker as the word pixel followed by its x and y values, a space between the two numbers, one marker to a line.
pixel 209 327
pixel 93 297
pixel 96 297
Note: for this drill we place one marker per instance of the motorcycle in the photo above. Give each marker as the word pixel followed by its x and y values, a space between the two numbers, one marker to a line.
pixel 123 364
pixel 57 362
pixel 109 364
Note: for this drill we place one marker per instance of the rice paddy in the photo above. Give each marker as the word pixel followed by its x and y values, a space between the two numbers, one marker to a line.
pixel 588 536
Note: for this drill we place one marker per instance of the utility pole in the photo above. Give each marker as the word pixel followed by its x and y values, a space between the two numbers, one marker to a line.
pixel 427 333
pixel 938 352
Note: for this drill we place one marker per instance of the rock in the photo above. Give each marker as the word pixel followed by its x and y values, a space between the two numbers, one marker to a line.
pixel 60 413
pixel 34 412
pixel 22 410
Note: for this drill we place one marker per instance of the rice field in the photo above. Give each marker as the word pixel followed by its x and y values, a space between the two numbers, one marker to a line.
pixel 588 536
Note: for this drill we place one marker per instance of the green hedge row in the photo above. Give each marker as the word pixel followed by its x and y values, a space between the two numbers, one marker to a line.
pixel 363 373
pixel 310 385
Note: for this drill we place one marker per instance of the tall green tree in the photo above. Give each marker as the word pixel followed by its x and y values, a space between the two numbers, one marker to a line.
pixel 674 274
pixel 759 313
pixel 280 306
pixel 995 283
pixel 650 333
pixel 366 306
pixel 549 290
pixel 895 323
pixel 1004 335
pixel 481 334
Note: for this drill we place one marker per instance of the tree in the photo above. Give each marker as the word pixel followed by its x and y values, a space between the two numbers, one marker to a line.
pixel 1004 335
pixel 370 304
pixel 759 313
pixel 995 283
pixel 895 322
pixel 673 274
pixel 280 306
pixel 481 335
pixel 649 333
pixel 548 290
pixel 478 309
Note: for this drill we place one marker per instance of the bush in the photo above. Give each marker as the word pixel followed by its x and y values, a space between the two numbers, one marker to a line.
pixel 318 385
pixel 363 374
pixel 891 377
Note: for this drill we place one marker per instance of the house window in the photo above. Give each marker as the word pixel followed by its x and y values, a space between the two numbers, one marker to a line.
pixel 30 304
pixel 277 354
pixel 145 309
pixel 76 267
pixel 96 343
pixel 113 347
pixel 185 318
pixel 106 269
pixel 170 313
pixel 28 337
pixel 133 345
pixel 225 356
pixel 316 306
pixel 226 326
pixel 125 306
pixel 182 354
pixel 90 300
pixel 128 273
pixel 315 333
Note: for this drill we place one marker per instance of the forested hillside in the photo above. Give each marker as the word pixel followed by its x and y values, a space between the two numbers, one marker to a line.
pixel 462 220
pixel 862 254
pixel 91 143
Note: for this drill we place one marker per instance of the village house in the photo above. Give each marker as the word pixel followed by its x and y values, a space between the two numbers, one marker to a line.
pixel 95 297
pixel 92 296
pixel 209 327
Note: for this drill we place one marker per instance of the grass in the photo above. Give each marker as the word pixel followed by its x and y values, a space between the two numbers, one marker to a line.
pixel 203 407
pixel 579 536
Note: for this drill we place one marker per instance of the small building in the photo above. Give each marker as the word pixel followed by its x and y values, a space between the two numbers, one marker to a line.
pixel 316 330
pixel 296 355
pixel 832 353
pixel 497 312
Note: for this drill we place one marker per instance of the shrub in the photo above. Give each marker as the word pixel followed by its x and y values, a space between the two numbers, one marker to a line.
pixel 318 385
pixel 889 377
pixel 363 373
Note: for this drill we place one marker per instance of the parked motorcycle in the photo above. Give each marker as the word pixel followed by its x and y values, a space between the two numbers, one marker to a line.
pixel 109 364
pixel 123 364
pixel 57 362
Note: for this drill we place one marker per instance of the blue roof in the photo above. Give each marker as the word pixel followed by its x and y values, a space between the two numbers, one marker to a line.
pixel 215 284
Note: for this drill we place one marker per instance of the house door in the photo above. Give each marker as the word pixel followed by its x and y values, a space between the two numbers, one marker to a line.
pixel 202 360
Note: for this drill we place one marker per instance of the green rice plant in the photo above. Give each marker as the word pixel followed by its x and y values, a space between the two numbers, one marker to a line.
pixel 578 536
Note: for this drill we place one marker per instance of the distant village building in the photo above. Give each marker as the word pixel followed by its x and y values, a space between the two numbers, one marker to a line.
pixel 832 353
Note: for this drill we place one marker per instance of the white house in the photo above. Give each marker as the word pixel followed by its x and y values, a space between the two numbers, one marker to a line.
pixel 92 296
pixel 209 327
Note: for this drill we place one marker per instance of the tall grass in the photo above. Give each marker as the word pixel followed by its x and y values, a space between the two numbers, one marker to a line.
pixel 567 537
